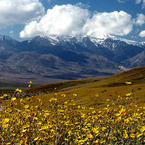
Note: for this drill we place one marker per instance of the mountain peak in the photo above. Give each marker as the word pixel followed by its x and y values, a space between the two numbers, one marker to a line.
pixel 54 39
pixel 66 57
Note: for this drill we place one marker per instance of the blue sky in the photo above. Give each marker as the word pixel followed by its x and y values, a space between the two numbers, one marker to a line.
pixel 24 19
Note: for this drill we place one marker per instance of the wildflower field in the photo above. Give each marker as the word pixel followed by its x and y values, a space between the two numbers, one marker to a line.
pixel 97 112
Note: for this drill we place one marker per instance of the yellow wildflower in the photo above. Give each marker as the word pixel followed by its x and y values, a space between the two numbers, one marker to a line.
pixel 5 95
pixel 97 95
pixel 142 129
pixel 24 130
pixel 89 136
pixel 75 95
pixel 70 133
pixel 139 135
pixel 63 95
pixel 128 83
pixel 96 141
pixel 26 106
pixel 125 135
pixel 122 111
pixel 6 120
pixel 81 141
pixel 132 135
pixel 79 107
pixel 53 99
pixel 128 94
pixel 13 98
pixel 29 86
pixel 8 110
pixel 104 128
pixel 95 130
pixel 35 139
pixel 46 114
pixel 107 100
pixel 18 90
pixel 44 127
pixel 30 82
pixel 102 141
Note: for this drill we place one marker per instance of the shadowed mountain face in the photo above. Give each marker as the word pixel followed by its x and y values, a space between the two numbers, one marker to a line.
pixel 53 59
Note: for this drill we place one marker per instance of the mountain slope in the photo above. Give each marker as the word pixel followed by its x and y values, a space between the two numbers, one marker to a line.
pixel 85 108
pixel 94 91
pixel 63 58
pixel 138 60
pixel 96 88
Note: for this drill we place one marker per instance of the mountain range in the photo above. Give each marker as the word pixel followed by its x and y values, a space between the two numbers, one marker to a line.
pixel 52 59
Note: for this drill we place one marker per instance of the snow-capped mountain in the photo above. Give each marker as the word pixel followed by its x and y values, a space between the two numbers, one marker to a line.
pixel 47 58
pixel 106 41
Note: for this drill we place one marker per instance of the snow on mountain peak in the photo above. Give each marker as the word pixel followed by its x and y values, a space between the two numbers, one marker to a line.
pixel 105 40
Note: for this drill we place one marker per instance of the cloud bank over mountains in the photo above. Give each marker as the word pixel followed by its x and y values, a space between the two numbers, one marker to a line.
pixel 74 20
pixel 114 23
pixel 60 20
pixel 66 20
pixel 19 11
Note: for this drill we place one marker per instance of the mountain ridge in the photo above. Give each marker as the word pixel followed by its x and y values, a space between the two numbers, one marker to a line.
pixel 44 59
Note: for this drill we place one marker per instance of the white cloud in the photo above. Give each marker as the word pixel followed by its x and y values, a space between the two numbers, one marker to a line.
pixel 19 11
pixel 60 20
pixel 143 5
pixel 115 23
pixel 73 20
pixel 138 1
pixel 141 2
pixel 140 20
pixel 121 1
pixel 142 33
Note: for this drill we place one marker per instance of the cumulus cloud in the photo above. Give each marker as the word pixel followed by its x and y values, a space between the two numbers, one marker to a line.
pixel 140 20
pixel 121 1
pixel 60 20
pixel 115 23
pixel 142 33
pixel 19 11
pixel 138 1
pixel 74 20
pixel 141 2
pixel 143 5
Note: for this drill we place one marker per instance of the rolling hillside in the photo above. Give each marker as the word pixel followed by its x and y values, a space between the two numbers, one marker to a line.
pixel 103 88
pixel 88 89
pixel 87 111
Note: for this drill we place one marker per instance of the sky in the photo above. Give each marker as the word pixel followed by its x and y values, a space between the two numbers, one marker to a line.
pixel 25 19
